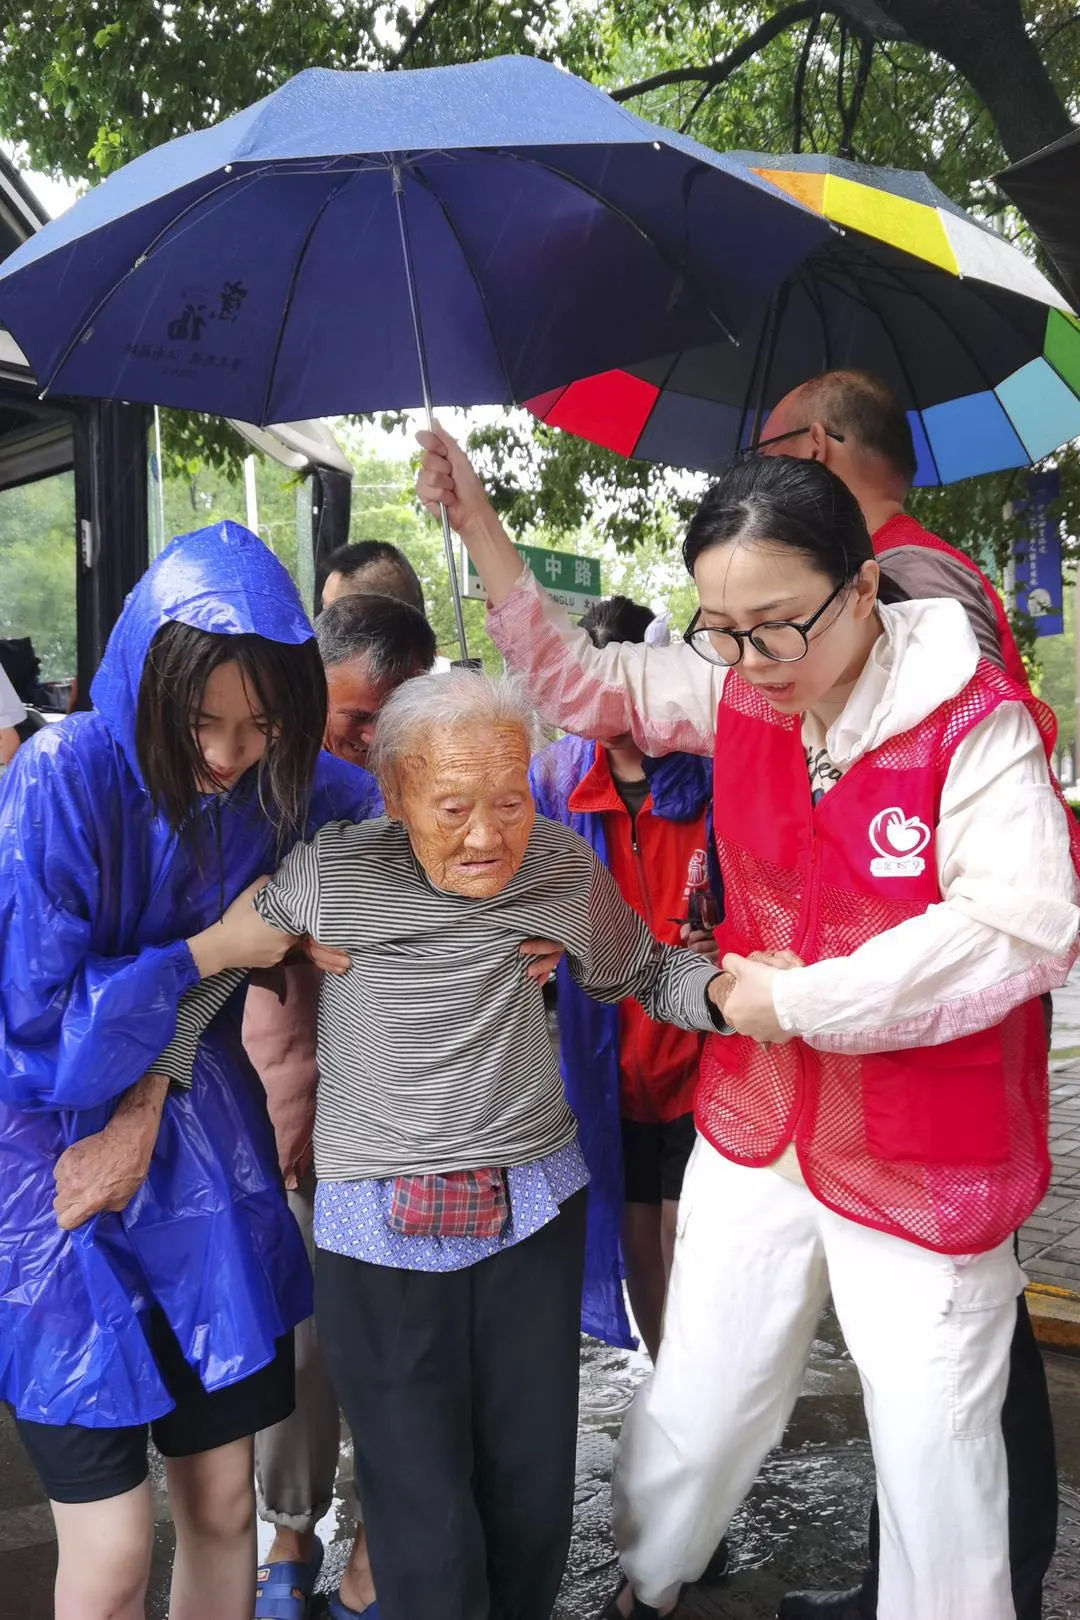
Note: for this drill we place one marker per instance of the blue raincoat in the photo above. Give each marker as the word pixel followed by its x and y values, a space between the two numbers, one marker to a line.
pixel 681 787
pixel 96 900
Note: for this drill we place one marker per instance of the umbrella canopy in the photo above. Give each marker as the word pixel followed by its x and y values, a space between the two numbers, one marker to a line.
pixel 1045 188
pixel 255 269
pixel 973 339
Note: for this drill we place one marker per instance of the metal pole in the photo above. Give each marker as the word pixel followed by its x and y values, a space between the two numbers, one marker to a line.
pixel 766 356
pixel 410 278
pixel 160 479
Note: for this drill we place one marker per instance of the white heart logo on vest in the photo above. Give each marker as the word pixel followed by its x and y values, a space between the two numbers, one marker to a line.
pixel 899 841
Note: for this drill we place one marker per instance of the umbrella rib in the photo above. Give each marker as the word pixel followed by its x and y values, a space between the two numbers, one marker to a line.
pixel 902 363
pixel 86 326
pixel 808 280
pixel 626 219
pixel 430 189
pixel 912 290
pixel 659 396
pixel 294 277
pixel 991 388
pixel 234 178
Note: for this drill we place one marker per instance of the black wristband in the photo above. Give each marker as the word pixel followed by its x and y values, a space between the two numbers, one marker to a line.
pixel 719 1022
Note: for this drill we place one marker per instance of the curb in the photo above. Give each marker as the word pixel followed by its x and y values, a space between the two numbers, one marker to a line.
pixel 1055 1316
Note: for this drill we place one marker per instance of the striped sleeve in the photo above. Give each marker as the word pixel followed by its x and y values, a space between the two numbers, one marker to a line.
pixel 198 1006
pixel 290 901
pixel 624 959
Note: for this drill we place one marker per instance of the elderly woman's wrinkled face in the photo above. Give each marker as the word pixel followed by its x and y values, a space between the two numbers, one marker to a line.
pixel 467 807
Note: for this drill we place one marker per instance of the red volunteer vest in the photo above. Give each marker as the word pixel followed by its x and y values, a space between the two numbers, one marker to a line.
pixel 946 1145
pixel 904 530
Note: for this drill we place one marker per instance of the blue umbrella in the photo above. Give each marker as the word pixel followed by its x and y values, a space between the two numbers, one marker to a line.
pixel 360 241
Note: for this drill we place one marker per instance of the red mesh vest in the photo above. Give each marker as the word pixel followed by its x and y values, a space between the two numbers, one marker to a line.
pixel 943 1145
pixel 903 530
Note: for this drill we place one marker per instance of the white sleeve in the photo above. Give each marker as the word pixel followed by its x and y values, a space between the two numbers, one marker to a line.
pixel 12 712
pixel 665 698
pixel 1004 931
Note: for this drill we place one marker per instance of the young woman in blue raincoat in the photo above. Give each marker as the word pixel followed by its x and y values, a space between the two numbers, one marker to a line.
pixel 130 841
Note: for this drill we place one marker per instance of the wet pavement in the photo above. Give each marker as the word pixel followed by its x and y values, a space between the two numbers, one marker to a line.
pixel 804 1523
pixel 1050 1241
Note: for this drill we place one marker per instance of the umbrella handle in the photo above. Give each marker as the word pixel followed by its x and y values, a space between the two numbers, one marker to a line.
pixel 421 352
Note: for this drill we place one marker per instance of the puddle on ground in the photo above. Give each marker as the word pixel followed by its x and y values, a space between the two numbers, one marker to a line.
pixel 803 1524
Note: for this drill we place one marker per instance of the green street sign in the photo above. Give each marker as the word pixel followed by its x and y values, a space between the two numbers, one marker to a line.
pixel 573 581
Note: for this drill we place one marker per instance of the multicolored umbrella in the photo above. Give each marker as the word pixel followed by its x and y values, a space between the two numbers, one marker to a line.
pixel 972 337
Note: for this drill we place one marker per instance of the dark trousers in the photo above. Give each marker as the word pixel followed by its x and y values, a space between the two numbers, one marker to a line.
pixel 1028 1429
pixel 461 1391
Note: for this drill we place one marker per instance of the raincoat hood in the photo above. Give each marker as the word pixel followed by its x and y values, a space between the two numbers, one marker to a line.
pixel 221 579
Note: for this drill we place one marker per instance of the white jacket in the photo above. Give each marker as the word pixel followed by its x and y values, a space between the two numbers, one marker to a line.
pixel 1006 927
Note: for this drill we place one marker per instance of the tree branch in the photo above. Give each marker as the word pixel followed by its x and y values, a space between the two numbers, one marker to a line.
pixel 715 73
pixel 841 64
pixel 858 91
pixel 1052 34
pixel 702 96
pixel 800 81
pixel 416 32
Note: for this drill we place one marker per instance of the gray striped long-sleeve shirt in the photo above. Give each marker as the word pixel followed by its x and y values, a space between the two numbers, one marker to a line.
pixel 433 1048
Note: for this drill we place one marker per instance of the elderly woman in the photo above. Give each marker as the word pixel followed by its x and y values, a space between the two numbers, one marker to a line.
pixel 450 1213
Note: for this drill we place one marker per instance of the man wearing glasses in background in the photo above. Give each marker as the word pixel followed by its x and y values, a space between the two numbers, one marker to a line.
pixel 852 422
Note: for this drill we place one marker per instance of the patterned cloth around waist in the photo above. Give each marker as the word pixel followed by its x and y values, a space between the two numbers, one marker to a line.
pixel 462 1203
pixel 352 1217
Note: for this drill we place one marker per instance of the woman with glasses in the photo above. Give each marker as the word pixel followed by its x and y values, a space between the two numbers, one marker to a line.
pixel 875 1122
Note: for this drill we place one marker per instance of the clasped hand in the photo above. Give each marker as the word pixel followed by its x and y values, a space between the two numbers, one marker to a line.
pixel 748 1005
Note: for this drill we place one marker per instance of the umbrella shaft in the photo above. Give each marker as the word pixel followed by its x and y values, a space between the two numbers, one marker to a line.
pixel 425 387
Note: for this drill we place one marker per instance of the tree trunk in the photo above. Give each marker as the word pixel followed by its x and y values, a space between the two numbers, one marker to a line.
pixel 987 42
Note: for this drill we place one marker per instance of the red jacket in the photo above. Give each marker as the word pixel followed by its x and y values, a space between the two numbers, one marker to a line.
pixel 653 863
pixel 942 1145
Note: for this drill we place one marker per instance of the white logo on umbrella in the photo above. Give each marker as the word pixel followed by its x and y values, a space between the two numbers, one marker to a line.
pixel 899 841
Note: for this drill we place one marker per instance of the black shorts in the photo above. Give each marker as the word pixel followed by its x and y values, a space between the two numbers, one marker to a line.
pixel 655 1158
pixel 77 1464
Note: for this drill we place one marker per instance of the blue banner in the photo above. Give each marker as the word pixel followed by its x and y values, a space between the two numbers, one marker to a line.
pixel 1039 586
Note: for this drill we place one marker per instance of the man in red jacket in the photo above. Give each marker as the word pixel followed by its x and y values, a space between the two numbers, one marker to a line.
pixel 853 422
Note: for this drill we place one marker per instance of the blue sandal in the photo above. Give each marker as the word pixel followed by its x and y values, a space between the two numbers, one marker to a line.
pixel 336 1610
pixel 283 1591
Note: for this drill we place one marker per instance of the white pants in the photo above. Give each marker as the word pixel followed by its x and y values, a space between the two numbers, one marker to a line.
pixel 755 1258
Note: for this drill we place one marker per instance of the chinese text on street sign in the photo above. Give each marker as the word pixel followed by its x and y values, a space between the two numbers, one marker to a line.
pixel 574 582
pixel 1038 555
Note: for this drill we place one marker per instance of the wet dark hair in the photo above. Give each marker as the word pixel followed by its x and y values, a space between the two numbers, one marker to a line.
pixel 616 618
pixel 784 502
pixel 290 688
pixel 377 567
pixel 393 639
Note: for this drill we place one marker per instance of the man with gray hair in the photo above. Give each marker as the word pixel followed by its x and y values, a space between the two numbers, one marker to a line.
pixel 369 645
pixel 450 1211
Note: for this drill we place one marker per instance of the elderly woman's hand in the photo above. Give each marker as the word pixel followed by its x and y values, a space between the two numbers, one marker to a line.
pixel 106 1170
pixel 327 957
pixel 446 478
pixel 748 1005
pixel 542 957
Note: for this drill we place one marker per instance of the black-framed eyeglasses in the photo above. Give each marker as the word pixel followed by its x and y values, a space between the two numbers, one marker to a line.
pixel 779 639
pixel 751 450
